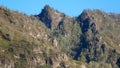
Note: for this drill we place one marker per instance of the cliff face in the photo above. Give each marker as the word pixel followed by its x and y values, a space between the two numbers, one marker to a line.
pixel 52 39
pixel 50 17
pixel 97 37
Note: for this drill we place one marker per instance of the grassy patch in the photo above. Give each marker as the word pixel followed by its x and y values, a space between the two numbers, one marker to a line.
pixel 3 43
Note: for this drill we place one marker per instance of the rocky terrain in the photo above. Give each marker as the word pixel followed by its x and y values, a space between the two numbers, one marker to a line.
pixel 52 39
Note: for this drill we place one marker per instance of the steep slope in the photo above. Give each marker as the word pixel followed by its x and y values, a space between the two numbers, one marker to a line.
pixel 100 39
pixel 50 17
pixel 64 29
pixel 52 39
pixel 25 42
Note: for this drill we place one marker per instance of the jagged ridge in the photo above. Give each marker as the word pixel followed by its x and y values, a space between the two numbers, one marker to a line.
pixel 53 39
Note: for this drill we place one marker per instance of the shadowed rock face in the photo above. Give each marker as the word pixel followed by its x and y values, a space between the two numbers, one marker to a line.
pixel 52 39
pixel 50 17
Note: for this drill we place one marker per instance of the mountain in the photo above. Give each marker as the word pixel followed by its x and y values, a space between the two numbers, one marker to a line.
pixel 52 39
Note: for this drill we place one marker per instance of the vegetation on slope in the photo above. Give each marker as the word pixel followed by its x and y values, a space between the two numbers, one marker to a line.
pixel 55 40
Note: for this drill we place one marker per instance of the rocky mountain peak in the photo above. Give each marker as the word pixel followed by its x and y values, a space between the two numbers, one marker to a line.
pixel 47 9
pixel 50 17
pixel 90 17
pixel 91 14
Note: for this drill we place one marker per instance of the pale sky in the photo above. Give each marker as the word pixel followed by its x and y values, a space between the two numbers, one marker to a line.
pixel 69 7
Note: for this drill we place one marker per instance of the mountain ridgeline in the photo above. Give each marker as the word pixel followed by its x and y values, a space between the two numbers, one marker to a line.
pixel 52 39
